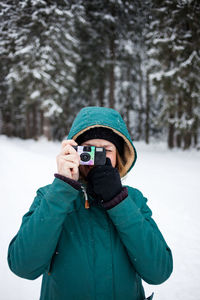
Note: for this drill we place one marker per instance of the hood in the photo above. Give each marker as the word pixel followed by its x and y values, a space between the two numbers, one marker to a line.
pixel 93 116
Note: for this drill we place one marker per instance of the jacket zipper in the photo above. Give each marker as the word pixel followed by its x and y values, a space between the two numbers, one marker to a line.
pixel 87 205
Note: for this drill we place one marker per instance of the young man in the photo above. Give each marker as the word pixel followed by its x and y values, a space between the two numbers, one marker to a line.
pixel 89 236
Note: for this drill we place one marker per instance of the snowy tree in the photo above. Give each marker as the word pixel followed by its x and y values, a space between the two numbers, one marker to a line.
pixel 141 58
pixel 41 51
pixel 110 53
pixel 175 40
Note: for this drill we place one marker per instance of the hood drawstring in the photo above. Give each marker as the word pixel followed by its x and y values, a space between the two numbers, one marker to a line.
pixel 87 205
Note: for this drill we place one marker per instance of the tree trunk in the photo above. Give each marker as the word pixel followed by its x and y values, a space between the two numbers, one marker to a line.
pixel 112 74
pixel 101 90
pixel 171 131
pixel 140 110
pixel 46 128
pixel 178 140
pixel 41 122
pixel 127 116
pixel 34 122
pixel 195 126
pixel 7 126
pixel 171 136
pixel 195 132
pixel 27 123
pixel 179 136
pixel 128 104
pixel 188 133
pixel 147 110
pixel 187 140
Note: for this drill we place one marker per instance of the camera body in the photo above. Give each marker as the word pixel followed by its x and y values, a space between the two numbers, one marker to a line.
pixel 91 155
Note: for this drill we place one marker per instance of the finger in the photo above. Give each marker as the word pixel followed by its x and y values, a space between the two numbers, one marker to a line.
pixel 75 170
pixel 68 149
pixel 68 142
pixel 72 157
pixel 69 164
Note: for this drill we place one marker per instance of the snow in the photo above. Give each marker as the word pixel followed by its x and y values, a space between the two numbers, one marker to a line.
pixel 35 94
pixel 13 75
pixel 24 50
pixel 129 47
pixel 59 12
pixel 71 38
pixel 188 61
pixel 164 40
pixel 158 76
pixel 185 2
pixel 169 179
pixel 52 107
pixel 36 74
pixel 109 17
pixel 178 48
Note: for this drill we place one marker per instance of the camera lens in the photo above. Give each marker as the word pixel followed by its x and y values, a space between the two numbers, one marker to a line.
pixel 87 148
pixel 85 157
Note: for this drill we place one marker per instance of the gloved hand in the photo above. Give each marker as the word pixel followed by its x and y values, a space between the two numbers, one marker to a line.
pixel 104 182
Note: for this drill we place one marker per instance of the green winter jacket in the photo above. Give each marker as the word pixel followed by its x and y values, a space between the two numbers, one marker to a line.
pixel 90 254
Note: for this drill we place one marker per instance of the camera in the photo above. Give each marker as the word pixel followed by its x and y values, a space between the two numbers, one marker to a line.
pixel 91 155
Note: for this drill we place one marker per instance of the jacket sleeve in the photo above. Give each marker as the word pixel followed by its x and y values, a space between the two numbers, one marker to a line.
pixel 145 245
pixel 31 250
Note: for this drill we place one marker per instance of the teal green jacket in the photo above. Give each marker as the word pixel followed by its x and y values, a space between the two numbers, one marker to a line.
pixel 93 254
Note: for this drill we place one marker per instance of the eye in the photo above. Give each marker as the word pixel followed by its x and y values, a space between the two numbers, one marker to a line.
pixel 108 150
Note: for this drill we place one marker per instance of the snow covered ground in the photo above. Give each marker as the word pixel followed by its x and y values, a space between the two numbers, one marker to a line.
pixel 169 179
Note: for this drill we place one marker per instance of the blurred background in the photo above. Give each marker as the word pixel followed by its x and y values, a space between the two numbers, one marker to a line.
pixel 139 57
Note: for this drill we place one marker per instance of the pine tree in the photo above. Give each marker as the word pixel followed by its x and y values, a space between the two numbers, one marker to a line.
pixel 175 45
pixel 141 58
pixel 42 66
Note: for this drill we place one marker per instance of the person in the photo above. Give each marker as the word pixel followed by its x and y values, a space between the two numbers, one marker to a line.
pixel 87 234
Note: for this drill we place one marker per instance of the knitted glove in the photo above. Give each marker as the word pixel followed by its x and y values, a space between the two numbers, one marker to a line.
pixel 104 182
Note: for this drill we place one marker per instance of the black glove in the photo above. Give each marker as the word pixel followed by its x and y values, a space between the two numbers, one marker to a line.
pixel 104 182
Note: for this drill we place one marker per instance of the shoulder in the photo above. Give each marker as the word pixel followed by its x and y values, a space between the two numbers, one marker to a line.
pixel 140 201
pixel 136 196
pixel 40 193
pixel 50 190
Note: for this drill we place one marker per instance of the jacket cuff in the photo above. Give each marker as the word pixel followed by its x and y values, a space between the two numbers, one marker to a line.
pixel 75 184
pixel 117 199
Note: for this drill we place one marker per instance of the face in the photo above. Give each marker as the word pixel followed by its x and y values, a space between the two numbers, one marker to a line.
pixel 110 153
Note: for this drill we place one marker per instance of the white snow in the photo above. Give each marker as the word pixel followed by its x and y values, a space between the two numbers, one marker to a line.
pixel 52 108
pixel 70 38
pixel 35 94
pixel 129 47
pixel 37 74
pixel 158 76
pixel 164 39
pixel 188 61
pixel 169 179
pixel 109 17
pixel 24 50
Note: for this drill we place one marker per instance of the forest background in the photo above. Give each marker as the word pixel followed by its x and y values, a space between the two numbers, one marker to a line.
pixel 139 57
